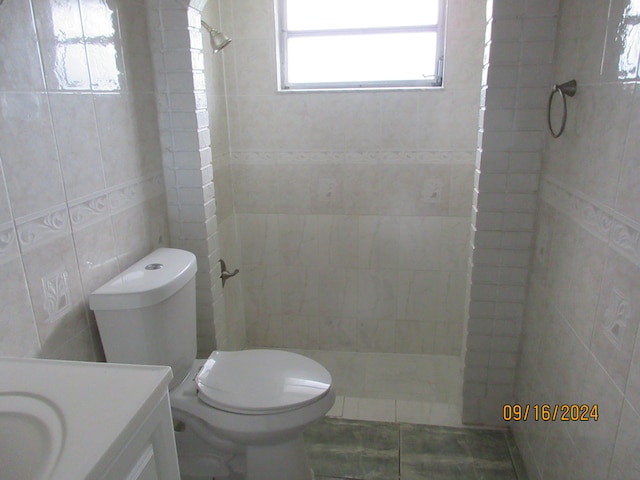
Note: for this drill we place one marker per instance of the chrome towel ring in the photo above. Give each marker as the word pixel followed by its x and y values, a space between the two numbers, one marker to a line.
pixel 566 89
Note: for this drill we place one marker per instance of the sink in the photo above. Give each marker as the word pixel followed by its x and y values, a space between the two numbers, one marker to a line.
pixel 66 420
pixel 31 436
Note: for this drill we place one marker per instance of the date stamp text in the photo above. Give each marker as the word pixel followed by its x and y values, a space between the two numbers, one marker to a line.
pixel 545 412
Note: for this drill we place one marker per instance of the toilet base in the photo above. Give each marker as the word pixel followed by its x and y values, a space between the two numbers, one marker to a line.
pixel 230 446
pixel 284 461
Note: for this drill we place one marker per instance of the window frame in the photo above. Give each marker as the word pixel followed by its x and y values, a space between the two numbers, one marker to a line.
pixel 283 34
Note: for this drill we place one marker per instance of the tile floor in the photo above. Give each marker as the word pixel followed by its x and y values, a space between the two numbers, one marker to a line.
pixel 397 417
pixel 366 450
pixel 387 410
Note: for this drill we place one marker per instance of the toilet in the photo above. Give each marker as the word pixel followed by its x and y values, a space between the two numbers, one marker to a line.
pixel 237 414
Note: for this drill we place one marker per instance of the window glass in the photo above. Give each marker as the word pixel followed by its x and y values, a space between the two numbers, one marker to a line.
pixel 338 14
pixel 342 44
pixel 362 58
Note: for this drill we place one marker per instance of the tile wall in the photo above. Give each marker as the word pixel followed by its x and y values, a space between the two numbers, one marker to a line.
pixel 515 87
pixel 353 209
pixel 580 340
pixel 81 184
pixel 189 145
pixel 225 209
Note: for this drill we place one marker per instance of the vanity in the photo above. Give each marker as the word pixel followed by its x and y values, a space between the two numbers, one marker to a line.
pixel 84 420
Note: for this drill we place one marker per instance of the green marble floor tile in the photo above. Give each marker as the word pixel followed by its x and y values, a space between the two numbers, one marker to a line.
pixel 353 450
pixel 413 469
pixel 444 453
pixel 318 477
pixel 518 463
pixel 357 450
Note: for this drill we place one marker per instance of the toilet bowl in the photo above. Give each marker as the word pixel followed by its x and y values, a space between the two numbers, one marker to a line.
pixel 237 415
pixel 263 442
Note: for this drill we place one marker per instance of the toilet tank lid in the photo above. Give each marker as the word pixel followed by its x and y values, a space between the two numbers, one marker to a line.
pixel 147 282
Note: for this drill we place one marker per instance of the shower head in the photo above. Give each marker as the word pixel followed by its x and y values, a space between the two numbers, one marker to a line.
pixel 218 39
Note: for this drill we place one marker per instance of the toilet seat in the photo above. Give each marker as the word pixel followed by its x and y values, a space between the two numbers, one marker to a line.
pixel 261 381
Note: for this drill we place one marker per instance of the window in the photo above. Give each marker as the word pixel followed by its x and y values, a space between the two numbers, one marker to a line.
pixel 353 44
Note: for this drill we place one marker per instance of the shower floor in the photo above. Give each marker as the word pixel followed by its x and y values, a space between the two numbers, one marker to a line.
pixel 383 387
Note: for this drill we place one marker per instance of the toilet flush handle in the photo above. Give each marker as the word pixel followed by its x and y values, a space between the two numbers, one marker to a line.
pixel 226 274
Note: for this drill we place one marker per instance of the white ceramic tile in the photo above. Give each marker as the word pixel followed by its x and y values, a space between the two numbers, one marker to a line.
pixel 29 137
pixel 82 346
pixel 360 189
pixel 374 409
pixel 339 241
pixel 337 292
pixel 20 337
pixel 21 63
pixel 346 368
pixel 338 333
pixel 420 295
pixel 299 290
pixel 79 149
pixel 427 413
pixel 97 260
pixel 130 235
pixel 299 187
pixel 376 335
pixel 55 290
pixel 261 289
pixel 5 207
pixel 377 293
pixel 615 329
pixel 117 132
pixel 298 239
pixel 259 75
pixel 254 188
pixel 337 408
pixel 259 239
pixel 456 131
pixel 624 462
pixel 419 241
pixel 596 439
pixel 461 15
pixel 396 377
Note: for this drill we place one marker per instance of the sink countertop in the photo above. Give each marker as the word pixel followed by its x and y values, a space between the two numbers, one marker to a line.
pixel 101 405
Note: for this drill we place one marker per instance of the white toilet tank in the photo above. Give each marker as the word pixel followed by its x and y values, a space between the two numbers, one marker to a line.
pixel 147 314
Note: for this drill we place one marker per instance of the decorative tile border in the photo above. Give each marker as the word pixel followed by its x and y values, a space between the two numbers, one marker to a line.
pixel 36 229
pixel 89 211
pixel 8 243
pixel 449 157
pixel 99 206
pixel 621 233
pixel 125 197
pixel 154 186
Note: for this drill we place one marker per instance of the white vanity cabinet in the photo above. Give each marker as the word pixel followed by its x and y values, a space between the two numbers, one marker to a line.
pixel 150 453
pixel 62 420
